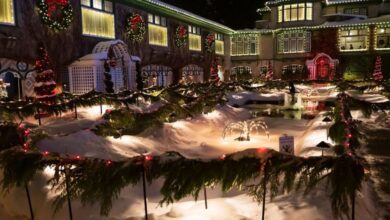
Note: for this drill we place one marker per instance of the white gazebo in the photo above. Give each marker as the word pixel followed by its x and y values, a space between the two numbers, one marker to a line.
pixel 87 73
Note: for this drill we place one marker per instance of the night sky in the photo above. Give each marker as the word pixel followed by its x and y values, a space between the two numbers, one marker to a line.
pixel 237 14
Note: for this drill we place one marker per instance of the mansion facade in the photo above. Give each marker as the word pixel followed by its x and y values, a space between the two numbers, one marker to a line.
pixel 313 39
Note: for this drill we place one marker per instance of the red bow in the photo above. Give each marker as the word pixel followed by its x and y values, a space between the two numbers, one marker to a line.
pixel 134 21
pixel 182 32
pixel 52 5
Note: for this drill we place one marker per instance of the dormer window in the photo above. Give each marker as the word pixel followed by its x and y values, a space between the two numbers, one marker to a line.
pixel 295 12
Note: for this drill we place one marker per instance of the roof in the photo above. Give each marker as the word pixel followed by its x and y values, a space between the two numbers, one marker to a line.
pixel 178 13
pixel 327 2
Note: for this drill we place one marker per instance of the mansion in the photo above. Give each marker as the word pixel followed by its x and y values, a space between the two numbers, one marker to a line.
pixel 313 39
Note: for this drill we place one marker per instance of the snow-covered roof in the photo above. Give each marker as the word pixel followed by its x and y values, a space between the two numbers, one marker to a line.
pixel 101 52
pixel 385 19
pixel 181 13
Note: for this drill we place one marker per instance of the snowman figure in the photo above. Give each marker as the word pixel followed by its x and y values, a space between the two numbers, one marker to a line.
pixel 3 90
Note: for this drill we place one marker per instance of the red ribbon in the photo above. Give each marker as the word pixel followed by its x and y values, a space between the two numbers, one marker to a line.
pixel 134 21
pixel 52 5
pixel 182 32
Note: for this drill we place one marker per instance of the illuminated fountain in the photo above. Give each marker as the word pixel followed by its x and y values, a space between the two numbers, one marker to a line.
pixel 245 128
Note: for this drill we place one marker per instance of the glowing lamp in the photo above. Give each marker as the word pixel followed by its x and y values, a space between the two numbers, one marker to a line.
pixel 222 157
pixel 45 153
pixel 109 162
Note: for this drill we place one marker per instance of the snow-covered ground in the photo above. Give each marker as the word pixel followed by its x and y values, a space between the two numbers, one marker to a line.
pixel 197 138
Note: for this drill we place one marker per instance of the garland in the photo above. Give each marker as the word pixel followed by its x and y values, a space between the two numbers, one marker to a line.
pixel 181 36
pixel 210 43
pixel 48 10
pixel 135 27
pixel 101 181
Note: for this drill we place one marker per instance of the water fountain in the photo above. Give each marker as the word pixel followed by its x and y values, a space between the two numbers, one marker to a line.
pixel 245 128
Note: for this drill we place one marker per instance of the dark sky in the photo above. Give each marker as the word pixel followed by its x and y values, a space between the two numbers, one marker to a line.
pixel 237 14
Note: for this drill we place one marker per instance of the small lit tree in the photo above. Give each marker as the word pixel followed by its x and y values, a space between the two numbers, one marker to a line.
pixel 378 75
pixel 45 85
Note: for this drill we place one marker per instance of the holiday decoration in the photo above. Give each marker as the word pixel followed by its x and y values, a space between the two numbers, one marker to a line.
pixel 378 75
pixel 135 27
pixel 138 80
pixel 210 42
pixel 214 70
pixel 56 14
pixel 181 36
pixel 270 72
pixel 3 89
pixel 107 78
pixel 45 85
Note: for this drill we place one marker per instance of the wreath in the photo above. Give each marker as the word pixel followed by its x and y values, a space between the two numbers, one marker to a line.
pixel 210 42
pixel 135 27
pixel 56 14
pixel 181 36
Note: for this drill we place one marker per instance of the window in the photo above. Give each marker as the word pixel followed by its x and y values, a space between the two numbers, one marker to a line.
pixel 241 70
pixel 219 44
pixel 192 73
pixel 355 11
pixel 294 42
pixel 295 12
pixel 7 12
pixel 157 75
pixel 353 39
pixel 158 32
pixel 293 69
pixel 194 38
pixel 382 38
pixel 103 5
pixel 98 23
pixel 244 45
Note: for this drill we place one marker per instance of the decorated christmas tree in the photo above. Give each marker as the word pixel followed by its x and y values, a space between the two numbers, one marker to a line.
pixel 45 85
pixel 214 71
pixel 378 75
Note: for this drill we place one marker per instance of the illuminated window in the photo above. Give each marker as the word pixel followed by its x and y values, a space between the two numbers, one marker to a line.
pixel 295 12
pixel 382 38
pixel 7 15
pixel 103 5
pixel 194 38
pixel 294 42
pixel 280 14
pixel 219 44
pixel 353 39
pixel 244 45
pixel 158 32
pixel 98 23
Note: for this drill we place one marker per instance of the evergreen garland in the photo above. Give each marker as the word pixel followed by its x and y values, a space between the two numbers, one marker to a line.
pixel 47 8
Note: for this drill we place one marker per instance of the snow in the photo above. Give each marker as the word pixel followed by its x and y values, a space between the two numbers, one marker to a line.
pixel 200 137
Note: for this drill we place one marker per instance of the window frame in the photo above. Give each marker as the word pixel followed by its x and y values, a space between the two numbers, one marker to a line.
pixel 99 11
pixel 194 31
pixel 160 25
pixel 91 6
pixel 285 10
pixel 342 37
pixel 386 34
pixel 15 20
pixel 220 38
pixel 356 8
pixel 238 44
pixel 293 38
